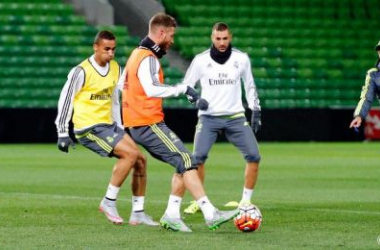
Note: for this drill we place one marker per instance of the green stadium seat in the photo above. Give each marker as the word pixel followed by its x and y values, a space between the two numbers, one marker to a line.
pixel 259 62
pixel 260 72
pixel 42 41
pixel 173 73
pixel 305 73
pixel 335 74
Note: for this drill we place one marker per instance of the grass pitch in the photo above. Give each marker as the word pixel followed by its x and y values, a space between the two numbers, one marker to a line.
pixel 312 195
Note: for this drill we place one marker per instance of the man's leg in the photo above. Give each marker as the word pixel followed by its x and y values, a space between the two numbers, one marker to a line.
pixel 201 172
pixel 163 144
pixel 205 136
pixel 126 151
pixel 128 154
pixel 250 179
pixel 251 173
pixel 172 217
pixel 240 134
pixel 138 187
pixel 191 181
pixel 110 140
pixel 213 217
pixel 138 183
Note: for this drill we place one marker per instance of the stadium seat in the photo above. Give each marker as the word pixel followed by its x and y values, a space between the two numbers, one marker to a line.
pixel 45 38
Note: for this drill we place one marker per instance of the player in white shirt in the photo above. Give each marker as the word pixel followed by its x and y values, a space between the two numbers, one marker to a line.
pixel 219 70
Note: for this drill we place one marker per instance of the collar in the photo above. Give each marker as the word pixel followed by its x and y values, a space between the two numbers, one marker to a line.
pixel 149 44
pixel 101 70
pixel 220 57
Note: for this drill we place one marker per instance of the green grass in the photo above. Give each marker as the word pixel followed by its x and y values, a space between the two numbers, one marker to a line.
pixel 312 195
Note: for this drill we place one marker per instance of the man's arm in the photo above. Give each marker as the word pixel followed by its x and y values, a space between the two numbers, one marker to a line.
pixel 72 86
pixel 116 111
pixel 193 73
pixel 192 76
pixel 250 87
pixel 252 96
pixel 148 73
pixel 367 96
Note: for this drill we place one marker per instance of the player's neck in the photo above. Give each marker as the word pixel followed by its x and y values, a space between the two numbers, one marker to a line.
pixel 150 44
pixel 218 56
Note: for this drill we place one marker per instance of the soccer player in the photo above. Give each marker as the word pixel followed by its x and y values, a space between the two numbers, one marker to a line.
pixel 220 70
pixel 91 92
pixel 370 90
pixel 143 114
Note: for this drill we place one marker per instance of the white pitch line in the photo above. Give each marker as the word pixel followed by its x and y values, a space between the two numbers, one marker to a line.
pixel 343 211
pixel 71 197
pixel 66 197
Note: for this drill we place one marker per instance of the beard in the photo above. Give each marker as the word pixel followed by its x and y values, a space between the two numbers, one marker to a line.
pixel 165 45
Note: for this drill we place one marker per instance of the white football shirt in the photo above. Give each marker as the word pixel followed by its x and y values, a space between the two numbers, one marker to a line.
pixel 221 83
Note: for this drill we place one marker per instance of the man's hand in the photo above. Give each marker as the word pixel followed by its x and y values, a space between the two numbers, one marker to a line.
pixel 192 95
pixel 356 123
pixel 64 143
pixel 256 120
pixel 202 104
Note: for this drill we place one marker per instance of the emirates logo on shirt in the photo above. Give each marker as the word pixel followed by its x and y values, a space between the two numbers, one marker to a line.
pixel 105 94
pixel 222 80
pixel 100 97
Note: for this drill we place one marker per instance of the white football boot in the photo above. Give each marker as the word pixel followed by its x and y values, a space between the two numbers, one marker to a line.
pixel 108 207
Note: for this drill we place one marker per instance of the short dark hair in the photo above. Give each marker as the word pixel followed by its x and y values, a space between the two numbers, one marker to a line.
pixel 220 26
pixel 104 34
pixel 162 19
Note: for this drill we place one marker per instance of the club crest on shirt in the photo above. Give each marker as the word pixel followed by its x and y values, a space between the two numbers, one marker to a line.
pixel 236 64
pixel 109 139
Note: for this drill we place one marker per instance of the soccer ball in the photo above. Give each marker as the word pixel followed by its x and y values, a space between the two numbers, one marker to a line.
pixel 249 219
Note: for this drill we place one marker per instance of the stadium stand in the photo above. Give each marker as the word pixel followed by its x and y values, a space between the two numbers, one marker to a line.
pixel 40 41
pixel 304 54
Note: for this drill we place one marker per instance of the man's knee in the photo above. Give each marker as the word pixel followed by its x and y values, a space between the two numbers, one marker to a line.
pixel 253 158
pixel 200 159
pixel 130 153
pixel 141 158
pixel 189 169
pixel 140 165
pixel 182 169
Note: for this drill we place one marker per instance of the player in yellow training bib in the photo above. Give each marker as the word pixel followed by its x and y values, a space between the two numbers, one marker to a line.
pixel 91 97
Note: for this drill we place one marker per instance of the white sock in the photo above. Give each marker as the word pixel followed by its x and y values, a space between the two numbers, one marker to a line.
pixel 247 194
pixel 174 205
pixel 112 192
pixel 138 203
pixel 206 207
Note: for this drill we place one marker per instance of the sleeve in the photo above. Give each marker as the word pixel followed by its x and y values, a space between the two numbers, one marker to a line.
pixel 250 87
pixel 73 85
pixel 367 95
pixel 116 110
pixel 120 83
pixel 148 73
pixel 193 74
